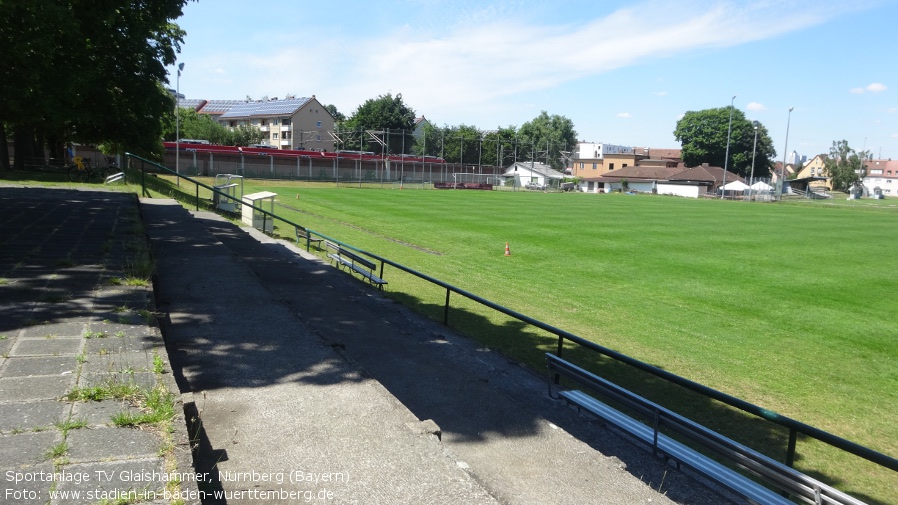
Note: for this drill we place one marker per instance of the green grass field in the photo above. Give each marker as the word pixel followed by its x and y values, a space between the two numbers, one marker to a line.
pixel 784 305
pixel 787 306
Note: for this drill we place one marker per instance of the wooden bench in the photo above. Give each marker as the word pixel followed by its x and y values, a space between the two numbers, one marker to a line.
pixel 358 264
pixel 788 480
pixel 302 235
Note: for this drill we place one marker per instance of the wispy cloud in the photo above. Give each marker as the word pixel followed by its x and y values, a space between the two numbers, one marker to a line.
pixel 481 58
pixel 876 87
pixel 624 115
pixel 755 106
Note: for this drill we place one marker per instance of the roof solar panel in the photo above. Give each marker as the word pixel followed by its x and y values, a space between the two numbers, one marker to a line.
pixel 269 108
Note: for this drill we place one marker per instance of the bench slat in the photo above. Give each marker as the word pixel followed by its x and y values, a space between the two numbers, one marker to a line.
pixel 729 478
pixel 772 471
pixel 354 262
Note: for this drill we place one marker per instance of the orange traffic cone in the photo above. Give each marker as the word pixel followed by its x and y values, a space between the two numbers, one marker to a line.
pixel 507 252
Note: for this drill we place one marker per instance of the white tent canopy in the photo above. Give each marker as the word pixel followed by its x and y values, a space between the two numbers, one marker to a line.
pixel 761 186
pixel 735 186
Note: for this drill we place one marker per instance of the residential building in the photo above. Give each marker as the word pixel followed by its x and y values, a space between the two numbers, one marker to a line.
pixel 596 159
pixel 814 171
pixel 523 173
pixel 882 174
pixel 661 178
pixel 293 123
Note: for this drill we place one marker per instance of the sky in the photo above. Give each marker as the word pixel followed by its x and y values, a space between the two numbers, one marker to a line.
pixel 623 72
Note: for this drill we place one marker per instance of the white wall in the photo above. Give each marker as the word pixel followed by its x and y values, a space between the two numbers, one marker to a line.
pixel 679 190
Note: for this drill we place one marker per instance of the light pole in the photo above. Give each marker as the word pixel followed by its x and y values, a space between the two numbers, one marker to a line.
pixel 726 160
pixel 178 125
pixel 754 151
pixel 782 178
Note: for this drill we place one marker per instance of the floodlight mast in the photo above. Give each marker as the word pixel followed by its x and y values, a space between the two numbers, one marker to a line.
pixel 781 181
pixel 726 160
pixel 178 125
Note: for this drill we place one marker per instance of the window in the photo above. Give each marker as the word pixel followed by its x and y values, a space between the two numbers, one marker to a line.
pixel 285 121
pixel 318 124
pixel 274 136
pixel 285 135
pixel 610 167
pixel 595 166
pixel 625 166
pixel 582 165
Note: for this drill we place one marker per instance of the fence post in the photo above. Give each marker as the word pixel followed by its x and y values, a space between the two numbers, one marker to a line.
pixel 790 452
pixel 446 309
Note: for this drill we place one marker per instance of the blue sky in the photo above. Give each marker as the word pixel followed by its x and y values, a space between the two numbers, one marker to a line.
pixel 623 72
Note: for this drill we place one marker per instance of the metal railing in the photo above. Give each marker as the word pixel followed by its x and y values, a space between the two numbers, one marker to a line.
pixel 795 427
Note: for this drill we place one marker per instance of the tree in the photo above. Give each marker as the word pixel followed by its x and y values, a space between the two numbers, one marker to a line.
pixel 86 71
pixel 844 166
pixel 546 136
pixel 703 138
pixel 337 115
pixel 387 114
pixel 201 126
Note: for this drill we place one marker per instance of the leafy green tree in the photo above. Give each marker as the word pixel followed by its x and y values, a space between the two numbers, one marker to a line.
pixel 86 71
pixel 201 126
pixel 547 136
pixel 337 115
pixel 703 137
pixel 387 114
pixel 844 166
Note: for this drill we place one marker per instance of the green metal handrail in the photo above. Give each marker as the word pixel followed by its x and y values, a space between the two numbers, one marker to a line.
pixel 795 427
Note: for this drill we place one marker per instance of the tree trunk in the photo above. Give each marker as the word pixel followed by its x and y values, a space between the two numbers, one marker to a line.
pixel 4 149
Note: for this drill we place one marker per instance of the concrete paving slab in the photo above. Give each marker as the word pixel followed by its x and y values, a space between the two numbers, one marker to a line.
pixel 42 414
pixel 26 486
pixel 17 389
pixel 21 450
pixel 48 347
pixel 118 363
pixel 100 413
pixel 98 444
pixel 137 481
pixel 114 345
pixel 144 380
pixel 75 330
pixel 18 366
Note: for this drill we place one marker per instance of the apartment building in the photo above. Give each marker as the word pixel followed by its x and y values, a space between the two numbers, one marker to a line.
pixel 291 123
pixel 596 159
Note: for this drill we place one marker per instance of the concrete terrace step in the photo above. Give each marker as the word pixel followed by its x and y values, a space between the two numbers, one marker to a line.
pixel 297 369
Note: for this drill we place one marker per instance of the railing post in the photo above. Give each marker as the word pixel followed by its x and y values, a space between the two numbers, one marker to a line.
pixel 143 179
pixel 790 452
pixel 197 197
pixel 446 309
pixel 560 346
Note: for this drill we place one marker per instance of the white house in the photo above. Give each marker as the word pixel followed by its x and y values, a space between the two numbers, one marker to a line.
pixel 882 174
pixel 526 172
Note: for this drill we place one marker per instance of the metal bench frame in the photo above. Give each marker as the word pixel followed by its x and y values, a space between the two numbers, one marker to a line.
pixel 346 258
pixel 303 235
pixel 786 479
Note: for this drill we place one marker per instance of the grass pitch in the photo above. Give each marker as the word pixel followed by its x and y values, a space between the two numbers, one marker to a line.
pixel 785 305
